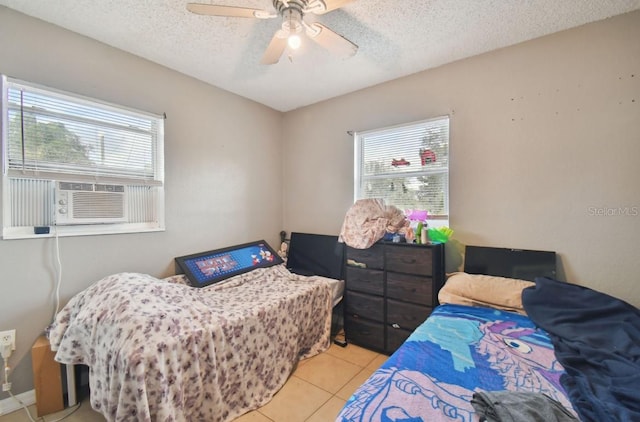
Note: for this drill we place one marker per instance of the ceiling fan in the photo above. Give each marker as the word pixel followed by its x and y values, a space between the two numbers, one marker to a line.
pixel 293 24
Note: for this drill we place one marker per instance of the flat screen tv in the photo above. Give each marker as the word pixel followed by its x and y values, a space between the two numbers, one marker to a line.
pixel 513 263
pixel 315 254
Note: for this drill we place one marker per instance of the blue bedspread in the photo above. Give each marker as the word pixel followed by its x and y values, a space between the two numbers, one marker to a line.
pixel 597 340
pixel 457 351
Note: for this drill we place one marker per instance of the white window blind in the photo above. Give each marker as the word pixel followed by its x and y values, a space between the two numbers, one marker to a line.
pixel 52 132
pixel 406 165
pixel 51 136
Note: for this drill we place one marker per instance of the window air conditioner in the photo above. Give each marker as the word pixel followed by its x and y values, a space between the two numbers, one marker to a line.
pixel 88 203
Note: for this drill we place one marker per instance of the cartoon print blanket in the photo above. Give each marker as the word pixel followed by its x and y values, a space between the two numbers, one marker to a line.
pixel 164 351
pixel 457 351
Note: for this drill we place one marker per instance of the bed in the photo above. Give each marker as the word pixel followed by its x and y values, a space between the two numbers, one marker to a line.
pixel 499 346
pixel 163 350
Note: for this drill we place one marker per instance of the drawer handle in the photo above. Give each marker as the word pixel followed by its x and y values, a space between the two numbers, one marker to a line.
pixel 354 263
pixel 396 326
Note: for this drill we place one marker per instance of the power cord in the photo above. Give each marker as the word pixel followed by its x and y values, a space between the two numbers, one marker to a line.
pixel 42 419
pixel 74 410
pixel 5 351
pixel 6 386
pixel 24 406
pixel 59 281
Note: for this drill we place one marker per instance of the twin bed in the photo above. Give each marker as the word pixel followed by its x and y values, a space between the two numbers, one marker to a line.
pixel 163 350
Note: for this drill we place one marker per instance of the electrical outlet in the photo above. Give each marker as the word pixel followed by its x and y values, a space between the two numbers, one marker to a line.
pixel 8 338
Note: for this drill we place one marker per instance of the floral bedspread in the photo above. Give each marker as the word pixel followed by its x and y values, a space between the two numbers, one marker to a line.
pixel 160 350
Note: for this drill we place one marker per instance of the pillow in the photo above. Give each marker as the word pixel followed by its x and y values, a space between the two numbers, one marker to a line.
pixel 484 290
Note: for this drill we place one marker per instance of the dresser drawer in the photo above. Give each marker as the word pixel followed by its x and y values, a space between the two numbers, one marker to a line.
pixel 409 259
pixel 364 306
pixel 365 333
pixel 372 257
pixel 364 280
pixel 406 315
pixel 411 288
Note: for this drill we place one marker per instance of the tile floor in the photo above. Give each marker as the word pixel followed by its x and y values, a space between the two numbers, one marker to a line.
pixel 316 391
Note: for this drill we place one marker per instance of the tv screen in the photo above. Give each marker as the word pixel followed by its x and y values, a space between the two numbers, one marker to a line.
pixel 513 263
pixel 315 254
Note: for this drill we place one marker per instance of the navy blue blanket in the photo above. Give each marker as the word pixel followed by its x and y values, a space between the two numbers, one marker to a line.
pixel 596 338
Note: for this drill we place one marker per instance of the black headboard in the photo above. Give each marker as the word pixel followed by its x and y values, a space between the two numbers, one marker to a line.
pixel 513 263
pixel 316 254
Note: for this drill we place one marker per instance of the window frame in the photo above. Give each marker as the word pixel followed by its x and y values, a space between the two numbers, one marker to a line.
pixel 360 178
pixel 152 180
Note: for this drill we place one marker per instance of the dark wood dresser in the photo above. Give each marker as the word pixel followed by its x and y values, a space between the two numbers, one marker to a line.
pixel 391 288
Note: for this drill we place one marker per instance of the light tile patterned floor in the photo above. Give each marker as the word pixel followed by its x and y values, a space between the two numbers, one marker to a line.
pixel 316 391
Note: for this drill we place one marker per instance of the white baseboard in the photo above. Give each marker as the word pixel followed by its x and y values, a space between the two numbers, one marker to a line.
pixel 10 405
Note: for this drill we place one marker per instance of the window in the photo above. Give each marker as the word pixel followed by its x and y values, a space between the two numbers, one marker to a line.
pixel 407 166
pixel 81 165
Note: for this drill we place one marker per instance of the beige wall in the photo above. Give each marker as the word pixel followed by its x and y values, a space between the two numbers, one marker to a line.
pixel 544 135
pixel 223 175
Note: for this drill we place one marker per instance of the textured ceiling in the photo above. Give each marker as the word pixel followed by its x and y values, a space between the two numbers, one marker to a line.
pixel 395 38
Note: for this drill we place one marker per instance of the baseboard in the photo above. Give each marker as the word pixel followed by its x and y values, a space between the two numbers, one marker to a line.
pixel 10 405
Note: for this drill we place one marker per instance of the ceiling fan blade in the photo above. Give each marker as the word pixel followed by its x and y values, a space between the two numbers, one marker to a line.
pixel 329 5
pixel 276 48
pixel 330 40
pixel 229 11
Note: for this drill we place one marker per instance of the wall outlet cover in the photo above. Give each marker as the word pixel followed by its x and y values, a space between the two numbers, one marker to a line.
pixel 8 337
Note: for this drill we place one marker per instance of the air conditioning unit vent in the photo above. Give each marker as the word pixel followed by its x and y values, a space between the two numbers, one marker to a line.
pixel 88 203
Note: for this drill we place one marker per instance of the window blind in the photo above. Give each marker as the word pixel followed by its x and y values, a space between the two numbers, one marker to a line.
pixel 62 135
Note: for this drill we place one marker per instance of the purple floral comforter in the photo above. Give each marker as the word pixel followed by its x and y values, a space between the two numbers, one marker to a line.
pixel 159 350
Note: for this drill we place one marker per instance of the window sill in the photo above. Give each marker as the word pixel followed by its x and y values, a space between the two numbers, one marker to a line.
pixel 13 233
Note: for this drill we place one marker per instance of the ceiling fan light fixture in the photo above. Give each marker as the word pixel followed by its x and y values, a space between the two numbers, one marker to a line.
pixel 293 25
pixel 294 41
pixel 292 21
